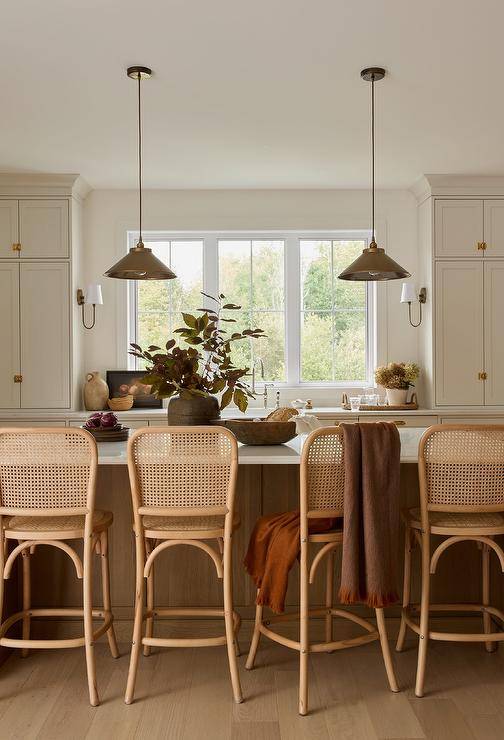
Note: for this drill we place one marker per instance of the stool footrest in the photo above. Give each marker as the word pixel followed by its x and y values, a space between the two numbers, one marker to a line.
pixel 413 609
pixel 50 644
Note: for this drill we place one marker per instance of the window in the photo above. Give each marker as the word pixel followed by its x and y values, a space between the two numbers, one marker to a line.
pixel 333 313
pixel 251 274
pixel 320 330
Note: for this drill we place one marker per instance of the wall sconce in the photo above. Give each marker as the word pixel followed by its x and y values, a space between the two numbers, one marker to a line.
pixel 409 296
pixel 92 295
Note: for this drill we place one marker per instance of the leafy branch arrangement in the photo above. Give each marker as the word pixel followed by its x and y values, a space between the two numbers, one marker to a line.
pixel 399 375
pixel 205 367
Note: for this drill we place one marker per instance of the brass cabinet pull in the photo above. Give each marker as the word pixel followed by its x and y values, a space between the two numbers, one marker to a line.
pixel 18 378
pixel 482 376
pixel 16 247
pixel 482 246
pixel 400 423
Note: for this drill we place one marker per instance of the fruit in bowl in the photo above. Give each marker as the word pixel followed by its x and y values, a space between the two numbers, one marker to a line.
pixel 101 420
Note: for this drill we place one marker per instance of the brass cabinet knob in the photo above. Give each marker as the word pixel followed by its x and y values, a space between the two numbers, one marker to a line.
pixel 482 246
pixel 18 378
pixel 482 376
pixel 16 247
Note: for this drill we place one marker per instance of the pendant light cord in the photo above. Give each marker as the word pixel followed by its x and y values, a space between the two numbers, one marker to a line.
pixel 140 241
pixel 372 163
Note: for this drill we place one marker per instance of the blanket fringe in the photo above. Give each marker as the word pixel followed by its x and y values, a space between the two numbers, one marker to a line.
pixel 375 601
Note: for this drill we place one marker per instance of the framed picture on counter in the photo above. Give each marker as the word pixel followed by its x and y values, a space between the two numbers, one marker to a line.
pixel 127 382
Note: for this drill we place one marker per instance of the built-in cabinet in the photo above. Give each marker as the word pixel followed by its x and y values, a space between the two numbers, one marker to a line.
pixel 461 239
pixel 35 335
pixel 469 228
pixel 34 229
pixel 39 245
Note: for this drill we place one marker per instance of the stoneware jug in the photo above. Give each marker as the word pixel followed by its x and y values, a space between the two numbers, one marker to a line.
pixel 96 392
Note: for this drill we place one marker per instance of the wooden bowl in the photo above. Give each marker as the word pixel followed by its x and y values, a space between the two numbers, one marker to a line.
pixel 124 403
pixel 259 432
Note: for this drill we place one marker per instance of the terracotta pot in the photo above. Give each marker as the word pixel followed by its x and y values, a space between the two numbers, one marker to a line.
pixel 192 411
pixel 396 396
pixel 96 392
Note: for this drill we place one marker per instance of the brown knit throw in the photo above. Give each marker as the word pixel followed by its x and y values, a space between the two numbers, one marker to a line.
pixel 371 514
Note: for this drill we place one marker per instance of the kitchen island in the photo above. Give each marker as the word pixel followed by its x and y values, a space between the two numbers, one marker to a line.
pixel 268 482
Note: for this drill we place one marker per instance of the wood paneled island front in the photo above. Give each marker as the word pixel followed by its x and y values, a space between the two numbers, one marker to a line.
pixel 268 481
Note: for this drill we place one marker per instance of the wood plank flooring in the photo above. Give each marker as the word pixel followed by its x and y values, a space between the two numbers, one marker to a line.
pixel 186 695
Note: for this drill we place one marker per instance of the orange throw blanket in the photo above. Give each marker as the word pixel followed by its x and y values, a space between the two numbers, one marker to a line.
pixel 273 548
pixel 371 514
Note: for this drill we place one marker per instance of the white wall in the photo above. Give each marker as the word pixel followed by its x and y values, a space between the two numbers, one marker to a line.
pixel 108 214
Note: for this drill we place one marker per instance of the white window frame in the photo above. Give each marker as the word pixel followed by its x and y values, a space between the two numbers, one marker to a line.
pixel 292 278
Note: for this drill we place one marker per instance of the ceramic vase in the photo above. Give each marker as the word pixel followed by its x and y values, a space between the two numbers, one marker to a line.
pixel 96 392
pixel 192 411
pixel 396 396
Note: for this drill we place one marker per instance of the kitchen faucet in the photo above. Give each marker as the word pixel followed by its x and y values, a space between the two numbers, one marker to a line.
pixel 261 366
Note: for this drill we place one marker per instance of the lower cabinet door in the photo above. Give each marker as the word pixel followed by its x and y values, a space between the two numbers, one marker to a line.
pixel 459 333
pixel 45 335
pixel 10 393
pixel 494 332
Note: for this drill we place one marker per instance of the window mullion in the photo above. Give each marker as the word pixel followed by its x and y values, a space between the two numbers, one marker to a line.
pixel 210 266
pixel 292 309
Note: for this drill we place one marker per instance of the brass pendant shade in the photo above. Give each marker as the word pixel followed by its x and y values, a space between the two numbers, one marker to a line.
pixel 140 263
pixel 373 264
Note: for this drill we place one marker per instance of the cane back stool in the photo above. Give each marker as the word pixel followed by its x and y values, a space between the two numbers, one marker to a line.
pixel 47 496
pixel 461 475
pixel 322 478
pixel 183 483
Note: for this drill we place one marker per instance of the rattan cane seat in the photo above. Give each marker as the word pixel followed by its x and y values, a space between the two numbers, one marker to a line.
pixel 188 523
pixel 461 520
pixel 61 527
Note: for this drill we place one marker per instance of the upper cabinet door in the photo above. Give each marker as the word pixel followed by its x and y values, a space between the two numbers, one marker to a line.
pixel 8 228
pixel 459 333
pixel 43 228
pixel 494 228
pixel 494 332
pixel 458 227
pixel 9 335
pixel 45 335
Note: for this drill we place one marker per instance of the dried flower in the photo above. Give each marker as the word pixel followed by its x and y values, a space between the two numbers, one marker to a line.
pixel 398 375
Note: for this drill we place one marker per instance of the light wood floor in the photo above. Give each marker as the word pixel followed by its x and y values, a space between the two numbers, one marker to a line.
pixel 187 694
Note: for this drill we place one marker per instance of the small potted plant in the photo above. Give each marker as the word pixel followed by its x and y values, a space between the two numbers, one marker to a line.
pixel 192 377
pixel 397 378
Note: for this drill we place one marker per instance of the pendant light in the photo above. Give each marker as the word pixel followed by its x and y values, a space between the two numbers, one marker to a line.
pixel 373 264
pixel 140 263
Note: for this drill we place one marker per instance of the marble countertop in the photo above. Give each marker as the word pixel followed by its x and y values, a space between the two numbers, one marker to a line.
pixel 114 453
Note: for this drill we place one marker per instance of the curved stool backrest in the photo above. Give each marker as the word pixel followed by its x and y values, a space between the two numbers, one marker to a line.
pixel 47 472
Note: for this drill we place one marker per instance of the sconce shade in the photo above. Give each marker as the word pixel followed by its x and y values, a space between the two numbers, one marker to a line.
pixel 140 264
pixel 93 294
pixel 409 293
pixel 374 264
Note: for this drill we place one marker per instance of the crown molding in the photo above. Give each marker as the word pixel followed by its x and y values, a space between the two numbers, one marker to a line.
pixel 458 186
pixel 40 184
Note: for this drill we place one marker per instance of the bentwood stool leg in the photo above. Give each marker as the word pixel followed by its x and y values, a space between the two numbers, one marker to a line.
pixel 303 631
pixel 255 638
pixel 88 621
pixel 424 615
pixel 329 597
pixel 149 622
pixel 487 622
pixel 229 622
pixel 107 607
pixel 387 658
pixel 137 627
pixel 26 598
pixel 406 587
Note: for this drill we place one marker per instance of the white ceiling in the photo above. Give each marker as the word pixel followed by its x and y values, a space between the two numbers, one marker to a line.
pixel 251 93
